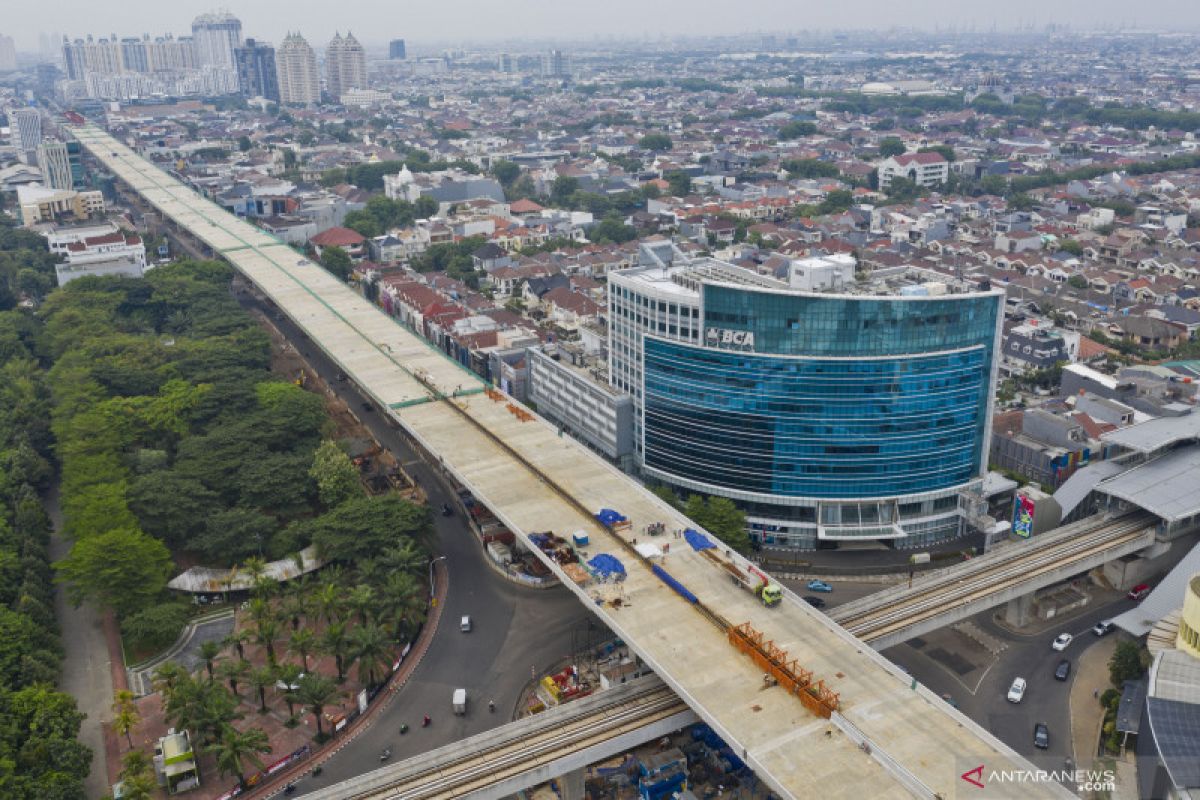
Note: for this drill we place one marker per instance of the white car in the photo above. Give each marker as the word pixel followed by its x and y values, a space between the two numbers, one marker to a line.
pixel 1061 641
pixel 1016 692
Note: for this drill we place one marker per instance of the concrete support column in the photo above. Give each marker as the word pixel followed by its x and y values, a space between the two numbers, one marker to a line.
pixel 570 785
pixel 1019 611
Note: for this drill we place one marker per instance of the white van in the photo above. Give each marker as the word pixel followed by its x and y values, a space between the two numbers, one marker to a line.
pixel 465 624
pixel 459 701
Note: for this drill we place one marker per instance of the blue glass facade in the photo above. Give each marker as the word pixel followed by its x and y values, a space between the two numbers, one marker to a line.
pixel 854 327
pixel 835 417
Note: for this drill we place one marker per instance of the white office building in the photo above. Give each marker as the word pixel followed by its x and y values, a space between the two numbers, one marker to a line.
pixel 299 81
pixel 55 164
pixel 215 36
pixel 565 392
pixel 27 133
pixel 97 250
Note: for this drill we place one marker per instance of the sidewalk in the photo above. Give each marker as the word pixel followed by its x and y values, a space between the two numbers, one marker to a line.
pixel 89 665
pixel 1087 717
pixel 1091 676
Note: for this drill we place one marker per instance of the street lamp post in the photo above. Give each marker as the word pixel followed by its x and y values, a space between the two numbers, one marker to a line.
pixel 431 587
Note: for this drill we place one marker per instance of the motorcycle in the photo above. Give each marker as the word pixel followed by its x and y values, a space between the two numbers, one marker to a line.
pixel 386 754
pixel 404 728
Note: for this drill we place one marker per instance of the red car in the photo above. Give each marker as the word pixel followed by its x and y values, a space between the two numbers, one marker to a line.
pixel 1139 591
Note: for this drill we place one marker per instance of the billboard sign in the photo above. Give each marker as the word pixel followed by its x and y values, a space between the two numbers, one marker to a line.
pixel 1022 524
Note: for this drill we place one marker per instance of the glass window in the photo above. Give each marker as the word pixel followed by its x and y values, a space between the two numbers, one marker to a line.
pixel 838 428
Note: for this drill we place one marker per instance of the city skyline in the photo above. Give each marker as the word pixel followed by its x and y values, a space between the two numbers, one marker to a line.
pixel 522 20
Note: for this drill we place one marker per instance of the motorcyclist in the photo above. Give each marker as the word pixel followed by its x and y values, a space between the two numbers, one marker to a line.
pixel 425 722
pixel 491 705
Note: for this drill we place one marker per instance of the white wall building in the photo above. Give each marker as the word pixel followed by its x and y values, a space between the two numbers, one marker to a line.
pixel 87 253
pixel 345 65
pixel 55 164
pixel 299 81
pixel 8 53
pixel 592 411
pixel 27 133
pixel 215 37
pixel 923 169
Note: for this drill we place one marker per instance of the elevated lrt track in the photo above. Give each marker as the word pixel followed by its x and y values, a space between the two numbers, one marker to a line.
pixel 872 734
pixel 505 760
pixel 895 614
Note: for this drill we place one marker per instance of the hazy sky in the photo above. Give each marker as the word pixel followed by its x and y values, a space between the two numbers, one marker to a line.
pixel 375 21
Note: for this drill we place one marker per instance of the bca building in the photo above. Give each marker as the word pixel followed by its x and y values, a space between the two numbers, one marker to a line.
pixel 831 409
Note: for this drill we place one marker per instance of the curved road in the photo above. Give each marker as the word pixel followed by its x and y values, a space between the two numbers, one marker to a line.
pixel 515 629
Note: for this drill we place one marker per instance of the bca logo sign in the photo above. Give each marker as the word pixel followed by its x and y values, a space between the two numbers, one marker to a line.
pixel 721 337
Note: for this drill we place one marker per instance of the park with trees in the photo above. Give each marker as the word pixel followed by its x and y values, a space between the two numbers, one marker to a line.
pixel 174 444
pixel 40 755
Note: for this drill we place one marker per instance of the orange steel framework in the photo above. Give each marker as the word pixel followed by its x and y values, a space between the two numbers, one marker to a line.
pixel 816 697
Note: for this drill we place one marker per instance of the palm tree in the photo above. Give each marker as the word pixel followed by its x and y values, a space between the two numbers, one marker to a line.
pixel 125 715
pixel 316 692
pixel 256 567
pixel 167 678
pixel 406 557
pixel 289 676
pixel 266 630
pixel 137 776
pixel 203 707
pixel 334 643
pixel 362 601
pixel 260 679
pixel 238 639
pixel 371 571
pixel 208 651
pixel 265 586
pixel 260 609
pixel 295 606
pixel 233 671
pixel 373 650
pixel 302 643
pixel 328 600
pixel 403 600
pixel 235 749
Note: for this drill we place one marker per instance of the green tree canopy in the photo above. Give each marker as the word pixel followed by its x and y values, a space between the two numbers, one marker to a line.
pixel 337 261
pixel 335 475
pixel 655 141
pixel 891 146
pixel 506 172
pixel 796 130
pixel 1128 661
pixel 721 517
pixel 680 183
pixel 810 168
pixel 123 569
pixel 362 527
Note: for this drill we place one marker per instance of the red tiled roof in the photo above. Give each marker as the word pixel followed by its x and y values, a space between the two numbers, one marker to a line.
pixel 524 206
pixel 338 237
pixel 920 158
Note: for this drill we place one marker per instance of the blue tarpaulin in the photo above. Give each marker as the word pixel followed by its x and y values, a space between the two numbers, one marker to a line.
pixel 606 566
pixel 679 588
pixel 609 517
pixel 697 540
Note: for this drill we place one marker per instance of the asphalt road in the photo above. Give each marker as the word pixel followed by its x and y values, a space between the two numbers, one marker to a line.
pixel 1030 657
pixel 515 629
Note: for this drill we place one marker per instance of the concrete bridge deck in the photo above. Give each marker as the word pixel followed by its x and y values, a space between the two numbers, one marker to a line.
pixel 888 739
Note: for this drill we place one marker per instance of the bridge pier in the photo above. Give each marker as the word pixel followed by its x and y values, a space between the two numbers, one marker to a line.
pixel 1018 612
pixel 570 785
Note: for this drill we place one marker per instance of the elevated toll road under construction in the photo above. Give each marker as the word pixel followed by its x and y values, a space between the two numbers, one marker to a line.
pixel 864 730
